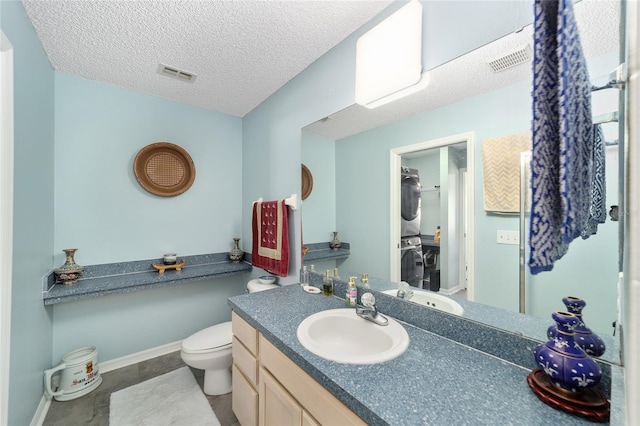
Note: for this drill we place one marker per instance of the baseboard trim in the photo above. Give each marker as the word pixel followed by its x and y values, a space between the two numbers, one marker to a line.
pixel 125 361
pixel 450 291
pixel 105 367
pixel 41 411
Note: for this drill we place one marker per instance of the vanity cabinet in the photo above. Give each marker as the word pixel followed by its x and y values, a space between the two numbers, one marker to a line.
pixel 318 406
pixel 270 389
pixel 244 375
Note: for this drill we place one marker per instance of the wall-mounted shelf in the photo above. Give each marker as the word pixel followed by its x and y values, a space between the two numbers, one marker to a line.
pixel 322 251
pixel 125 277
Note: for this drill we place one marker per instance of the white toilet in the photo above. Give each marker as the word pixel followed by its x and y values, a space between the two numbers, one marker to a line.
pixel 210 350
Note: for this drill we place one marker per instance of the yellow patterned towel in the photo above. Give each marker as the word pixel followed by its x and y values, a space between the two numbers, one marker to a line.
pixel 501 169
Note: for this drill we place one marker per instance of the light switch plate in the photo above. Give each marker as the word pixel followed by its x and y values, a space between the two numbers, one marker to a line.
pixel 509 237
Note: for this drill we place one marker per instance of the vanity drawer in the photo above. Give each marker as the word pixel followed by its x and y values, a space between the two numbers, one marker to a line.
pixel 245 333
pixel 245 361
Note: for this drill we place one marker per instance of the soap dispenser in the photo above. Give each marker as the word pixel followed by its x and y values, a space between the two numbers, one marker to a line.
pixel 327 284
pixel 352 293
pixel 365 280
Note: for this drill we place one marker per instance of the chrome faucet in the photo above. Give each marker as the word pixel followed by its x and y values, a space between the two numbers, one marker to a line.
pixel 404 292
pixel 368 310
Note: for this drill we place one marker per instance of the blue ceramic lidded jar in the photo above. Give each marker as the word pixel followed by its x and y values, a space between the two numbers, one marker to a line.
pixel 589 341
pixel 563 360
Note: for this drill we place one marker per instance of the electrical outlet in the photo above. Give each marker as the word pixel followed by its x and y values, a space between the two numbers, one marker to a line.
pixel 509 237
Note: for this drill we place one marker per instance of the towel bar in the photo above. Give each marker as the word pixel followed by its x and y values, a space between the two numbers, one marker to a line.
pixel 606 118
pixel 616 78
pixel 291 201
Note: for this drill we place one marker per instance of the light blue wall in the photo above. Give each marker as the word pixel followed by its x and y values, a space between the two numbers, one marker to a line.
pixel 271 153
pixel 271 132
pixel 31 323
pixel 453 28
pixel 123 324
pixel 319 209
pixel 103 211
pixel 100 207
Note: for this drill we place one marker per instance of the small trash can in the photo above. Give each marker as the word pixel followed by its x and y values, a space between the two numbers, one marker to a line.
pixel 79 374
pixel 434 280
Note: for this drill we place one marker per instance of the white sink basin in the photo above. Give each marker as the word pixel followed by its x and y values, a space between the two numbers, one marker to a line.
pixel 432 300
pixel 342 336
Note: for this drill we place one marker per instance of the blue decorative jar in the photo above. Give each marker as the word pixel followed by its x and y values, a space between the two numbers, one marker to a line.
pixel 563 360
pixel 590 342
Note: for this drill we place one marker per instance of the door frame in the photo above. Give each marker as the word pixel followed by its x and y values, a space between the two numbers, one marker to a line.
pixel 395 162
pixel 6 218
pixel 464 224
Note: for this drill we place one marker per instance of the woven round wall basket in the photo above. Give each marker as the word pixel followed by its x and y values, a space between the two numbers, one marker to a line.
pixel 307 182
pixel 164 169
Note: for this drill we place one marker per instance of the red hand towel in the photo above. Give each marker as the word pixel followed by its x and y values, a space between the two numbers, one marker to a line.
pixel 271 237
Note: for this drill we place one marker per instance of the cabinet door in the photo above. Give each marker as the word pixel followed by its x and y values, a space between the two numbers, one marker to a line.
pixel 277 407
pixel 325 408
pixel 244 399
pixel 307 420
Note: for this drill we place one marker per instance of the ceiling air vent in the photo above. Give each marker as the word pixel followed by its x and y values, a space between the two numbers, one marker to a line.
pixel 176 73
pixel 518 56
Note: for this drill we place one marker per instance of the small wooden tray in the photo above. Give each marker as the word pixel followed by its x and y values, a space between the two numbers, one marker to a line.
pixel 590 404
pixel 161 267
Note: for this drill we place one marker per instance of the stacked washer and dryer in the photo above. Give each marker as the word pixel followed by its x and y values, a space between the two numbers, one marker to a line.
pixel 411 261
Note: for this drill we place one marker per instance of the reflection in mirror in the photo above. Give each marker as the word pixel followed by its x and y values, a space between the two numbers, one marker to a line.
pixel 353 191
pixel 307 182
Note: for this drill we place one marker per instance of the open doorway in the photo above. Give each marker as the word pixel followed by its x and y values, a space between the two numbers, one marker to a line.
pixel 448 204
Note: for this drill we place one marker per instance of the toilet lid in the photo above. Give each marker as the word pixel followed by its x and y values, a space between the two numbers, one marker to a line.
pixel 210 338
pixel 254 286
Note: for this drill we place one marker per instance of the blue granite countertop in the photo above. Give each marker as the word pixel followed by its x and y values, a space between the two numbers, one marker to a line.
pixel 437 381
pixel 125 277
pixel 527 326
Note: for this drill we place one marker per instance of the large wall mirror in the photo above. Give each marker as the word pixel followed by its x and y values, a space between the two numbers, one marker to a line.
pixel 439 132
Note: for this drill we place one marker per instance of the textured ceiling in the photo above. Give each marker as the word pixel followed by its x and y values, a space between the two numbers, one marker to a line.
pixel 470 75
pixel 241 51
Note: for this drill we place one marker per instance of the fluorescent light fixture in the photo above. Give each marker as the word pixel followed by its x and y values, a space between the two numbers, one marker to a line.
pixel 424 82
pixel 389 56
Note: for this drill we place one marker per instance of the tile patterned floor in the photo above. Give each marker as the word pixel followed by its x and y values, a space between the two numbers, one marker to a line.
pixel 93 408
